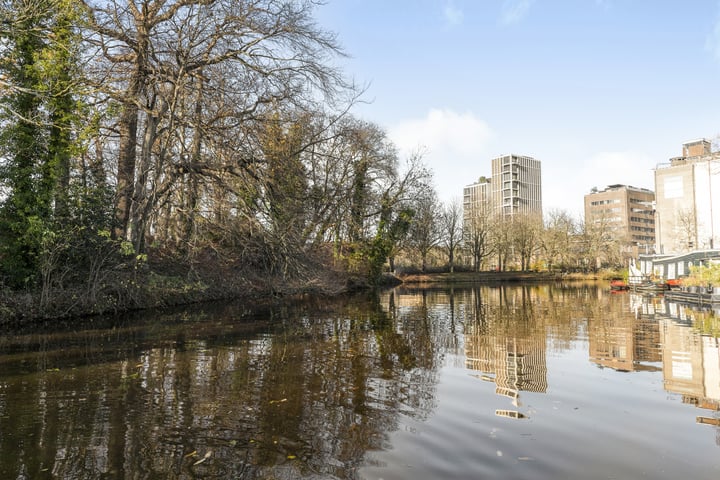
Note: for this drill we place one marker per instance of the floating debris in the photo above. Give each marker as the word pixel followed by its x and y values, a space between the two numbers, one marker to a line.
pixel 207 455
pixel 509 414
pixel 708 421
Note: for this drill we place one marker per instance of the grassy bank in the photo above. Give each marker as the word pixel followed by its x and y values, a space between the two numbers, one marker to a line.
pixel 497 277
pixel 171 281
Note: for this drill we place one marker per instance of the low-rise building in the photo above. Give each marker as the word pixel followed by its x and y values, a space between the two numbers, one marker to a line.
pixel 625 214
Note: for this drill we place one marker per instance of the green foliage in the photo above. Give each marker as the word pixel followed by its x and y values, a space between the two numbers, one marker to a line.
pixel 165 283
pixel 706 322
pixel 36 112
pixel 390 232
pixel 19 250
pixel 376 253
pixel 703 275
pixel 368 258
pixel 359 198
pixel 286 179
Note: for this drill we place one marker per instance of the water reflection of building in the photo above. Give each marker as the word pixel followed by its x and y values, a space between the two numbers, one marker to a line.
pixel 690 359
pixel 643 306
pixel 515 364
pixel 691 363
pixel 623 341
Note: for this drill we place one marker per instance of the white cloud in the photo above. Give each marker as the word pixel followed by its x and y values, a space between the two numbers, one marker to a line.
pixel 514 10
pixel 454 146
pixel 625 168
pixel 443 130
pixel 565 183
pixel 452 14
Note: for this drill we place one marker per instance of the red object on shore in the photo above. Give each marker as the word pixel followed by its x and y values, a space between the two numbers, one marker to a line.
pixel 618 284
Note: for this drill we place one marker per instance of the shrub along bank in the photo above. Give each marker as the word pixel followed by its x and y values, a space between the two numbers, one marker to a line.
pixel 169 280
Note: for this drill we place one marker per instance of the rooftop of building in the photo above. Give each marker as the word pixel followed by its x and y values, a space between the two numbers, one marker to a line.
pixel 619 186
pixel 693 151
pixel 680 161
pixel 696 141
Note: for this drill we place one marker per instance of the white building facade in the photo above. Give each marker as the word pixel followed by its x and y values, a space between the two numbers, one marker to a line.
pixel 516 185
pixel 687 191
pixel 476 199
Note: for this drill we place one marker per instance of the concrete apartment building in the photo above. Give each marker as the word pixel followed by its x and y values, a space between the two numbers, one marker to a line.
pixel 516 185
pixel 476 200
pixel 626 213
pixel 513 189
pixel 687 190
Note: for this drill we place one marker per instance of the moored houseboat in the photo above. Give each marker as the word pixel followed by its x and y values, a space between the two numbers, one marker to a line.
pixel 673 268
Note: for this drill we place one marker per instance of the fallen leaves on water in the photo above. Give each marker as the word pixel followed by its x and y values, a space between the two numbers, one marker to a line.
pixel 205 457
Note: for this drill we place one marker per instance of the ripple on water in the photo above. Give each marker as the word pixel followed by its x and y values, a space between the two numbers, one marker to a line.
pixel 590 424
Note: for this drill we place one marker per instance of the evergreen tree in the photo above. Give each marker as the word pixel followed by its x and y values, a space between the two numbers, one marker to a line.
pixel 35 114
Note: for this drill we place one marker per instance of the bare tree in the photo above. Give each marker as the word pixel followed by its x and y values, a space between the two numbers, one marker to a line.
pixel 525 236
pixel 451 234
pixel 402 201
pixel 557 239
pixel 598 243
pixel 477 235
pixel 501 239
pixel 686 228
pixel 425 229
pixel 373 162
pixel 191 78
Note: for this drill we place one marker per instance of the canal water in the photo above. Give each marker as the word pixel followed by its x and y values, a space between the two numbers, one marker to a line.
pixel 486 382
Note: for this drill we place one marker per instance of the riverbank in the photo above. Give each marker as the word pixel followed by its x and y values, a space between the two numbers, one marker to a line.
pixel 168 281
pixel 495 277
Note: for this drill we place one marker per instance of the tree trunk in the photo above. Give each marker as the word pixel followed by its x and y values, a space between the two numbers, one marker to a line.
pixel 127 155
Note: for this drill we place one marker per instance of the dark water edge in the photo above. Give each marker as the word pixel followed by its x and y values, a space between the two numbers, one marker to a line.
pixel 513 381
pixel 150 291
pixel 106 381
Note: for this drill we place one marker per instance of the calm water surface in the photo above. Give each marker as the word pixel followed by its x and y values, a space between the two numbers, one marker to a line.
pixel 511 382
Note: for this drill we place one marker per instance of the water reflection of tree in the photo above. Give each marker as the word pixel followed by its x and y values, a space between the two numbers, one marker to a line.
pixel 306 393
pixel 521 310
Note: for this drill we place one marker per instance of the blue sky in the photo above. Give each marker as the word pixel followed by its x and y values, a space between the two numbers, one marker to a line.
pixel 600 91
